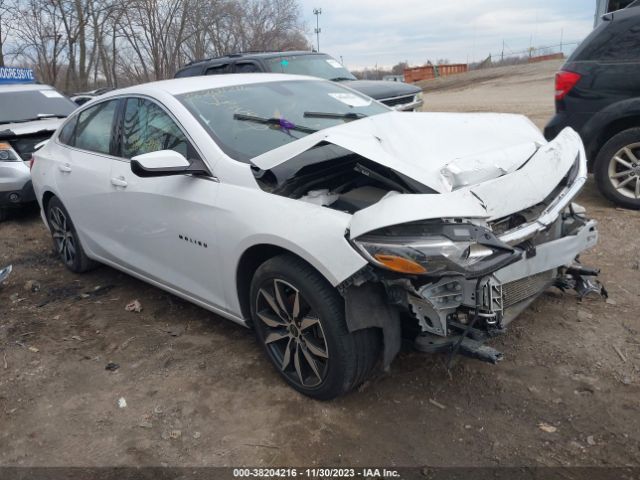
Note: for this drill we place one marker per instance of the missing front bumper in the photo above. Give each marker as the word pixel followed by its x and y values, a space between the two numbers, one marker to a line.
pixel 500 297
pixel 459 314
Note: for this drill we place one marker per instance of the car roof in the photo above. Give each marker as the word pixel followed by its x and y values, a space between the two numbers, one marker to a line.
pixel 245 55
pixel 24 87
pixel 179 86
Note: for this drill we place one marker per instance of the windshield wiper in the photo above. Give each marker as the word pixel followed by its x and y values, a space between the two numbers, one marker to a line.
pixel 340 79
pixel 281 123
pixel 340 116
pixel 41 116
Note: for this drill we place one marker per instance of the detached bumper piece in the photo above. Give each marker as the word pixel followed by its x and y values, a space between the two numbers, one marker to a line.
pixel 463 345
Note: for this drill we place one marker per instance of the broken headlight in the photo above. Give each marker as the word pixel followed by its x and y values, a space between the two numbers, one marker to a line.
pixel 429 248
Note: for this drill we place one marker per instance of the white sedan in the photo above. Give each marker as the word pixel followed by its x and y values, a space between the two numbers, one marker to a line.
pixel 331 224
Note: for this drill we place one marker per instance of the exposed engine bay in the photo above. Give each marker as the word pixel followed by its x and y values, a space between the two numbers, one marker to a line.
pixel 331 176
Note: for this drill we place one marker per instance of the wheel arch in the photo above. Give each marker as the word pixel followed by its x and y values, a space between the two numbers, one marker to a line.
pixel 607 130
pixel 249 262
pixel 46 198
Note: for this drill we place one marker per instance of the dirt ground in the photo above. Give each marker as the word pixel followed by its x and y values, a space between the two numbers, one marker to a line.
pixel 199 392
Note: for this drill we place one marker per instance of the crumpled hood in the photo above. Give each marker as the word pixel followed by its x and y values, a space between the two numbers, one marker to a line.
pixel 9 130
pixel 523 188
pixel 444 151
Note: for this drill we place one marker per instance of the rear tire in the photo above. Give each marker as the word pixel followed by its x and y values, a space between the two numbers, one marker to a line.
pixel 299 320
pixel 617 169
pixel 66 243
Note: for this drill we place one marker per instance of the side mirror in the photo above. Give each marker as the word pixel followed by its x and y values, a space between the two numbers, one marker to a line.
pixel 160 164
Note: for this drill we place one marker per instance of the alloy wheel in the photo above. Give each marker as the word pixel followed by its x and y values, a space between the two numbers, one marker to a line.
pixel 63 238
pixel 293 333
pixel 624 171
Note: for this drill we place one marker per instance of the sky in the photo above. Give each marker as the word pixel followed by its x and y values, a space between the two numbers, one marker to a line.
pixel 383 32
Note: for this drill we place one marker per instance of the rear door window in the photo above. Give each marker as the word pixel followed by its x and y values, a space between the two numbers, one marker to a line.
pixel 246 67
pixel 218 69
pixel 94 127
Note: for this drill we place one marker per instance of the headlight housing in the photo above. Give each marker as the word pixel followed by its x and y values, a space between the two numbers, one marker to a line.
pixel 7 154
pixel 418 97
pixel 436 248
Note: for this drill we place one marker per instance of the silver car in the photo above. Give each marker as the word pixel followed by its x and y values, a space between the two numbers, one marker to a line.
pixel 29 114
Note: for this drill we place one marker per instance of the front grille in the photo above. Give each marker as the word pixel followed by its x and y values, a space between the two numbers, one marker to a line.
pixel 519 290
pixel 394 102
pixel 515 220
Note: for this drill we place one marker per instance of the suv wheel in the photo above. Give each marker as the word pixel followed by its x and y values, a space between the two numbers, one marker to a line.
pixel 299 319
pixel 617 169
pixel 65 238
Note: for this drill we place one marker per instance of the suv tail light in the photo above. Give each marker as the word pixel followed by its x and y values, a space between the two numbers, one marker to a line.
pixel 565 81
pixel 31 162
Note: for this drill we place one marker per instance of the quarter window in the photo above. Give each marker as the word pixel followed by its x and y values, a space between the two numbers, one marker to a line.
pixel 93 131
pixel 66 134
pixel 615 42
pixel 148 128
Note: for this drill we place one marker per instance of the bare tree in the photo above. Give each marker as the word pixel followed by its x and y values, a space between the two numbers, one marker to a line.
pixel 5 25
pixel 40 38
pixel 272 25
pixel 78 44
pixel 155 32
pixel 399 68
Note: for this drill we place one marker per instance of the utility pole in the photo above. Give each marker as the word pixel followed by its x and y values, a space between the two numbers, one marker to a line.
pixel 317 12
pixel 561 38
pixel 502 55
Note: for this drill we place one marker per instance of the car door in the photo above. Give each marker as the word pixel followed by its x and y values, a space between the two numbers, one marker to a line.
pixel 165 227
pixel 82 173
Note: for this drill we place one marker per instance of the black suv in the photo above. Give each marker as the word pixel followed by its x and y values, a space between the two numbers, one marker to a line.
pixel 598 94
pixel 397 95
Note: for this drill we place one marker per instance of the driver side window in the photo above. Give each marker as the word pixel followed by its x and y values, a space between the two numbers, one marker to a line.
pixel 148 128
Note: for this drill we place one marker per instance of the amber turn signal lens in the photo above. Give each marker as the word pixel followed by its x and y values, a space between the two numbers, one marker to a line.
pixel 400 264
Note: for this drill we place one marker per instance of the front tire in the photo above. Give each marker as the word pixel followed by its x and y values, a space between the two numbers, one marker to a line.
pixel 299 320
pixel 617 169
pixel 66 243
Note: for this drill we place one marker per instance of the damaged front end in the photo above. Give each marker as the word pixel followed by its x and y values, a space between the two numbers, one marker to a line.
pixel 454 282
pixel 472 283
pixel 460 236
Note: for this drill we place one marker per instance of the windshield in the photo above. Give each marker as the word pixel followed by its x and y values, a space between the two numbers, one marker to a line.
pixel 249 120
pixel 322 66
pixel 27 105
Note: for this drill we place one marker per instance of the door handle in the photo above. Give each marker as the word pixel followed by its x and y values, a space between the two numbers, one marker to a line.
pixel 119 182
pixel 65 168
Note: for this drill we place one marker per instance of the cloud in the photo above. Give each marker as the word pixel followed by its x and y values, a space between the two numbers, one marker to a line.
pixel 383 32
